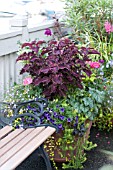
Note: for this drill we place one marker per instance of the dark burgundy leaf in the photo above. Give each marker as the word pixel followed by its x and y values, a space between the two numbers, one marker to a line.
pixel 56 65
pixel 26 45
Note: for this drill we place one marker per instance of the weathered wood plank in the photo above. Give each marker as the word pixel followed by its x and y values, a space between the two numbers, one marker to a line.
pixel 24 152
pixel 4 131
pixel 11 144
pixel 10 137
pixel 16 145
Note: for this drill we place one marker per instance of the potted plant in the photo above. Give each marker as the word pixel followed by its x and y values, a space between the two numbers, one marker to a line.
pixel 92 23
pixel 64 73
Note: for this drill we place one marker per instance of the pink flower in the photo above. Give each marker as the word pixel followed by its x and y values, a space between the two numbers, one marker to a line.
pixel 88 62
pixel 94 64
pixel 108 27
pixel 27 81
pixel 48 32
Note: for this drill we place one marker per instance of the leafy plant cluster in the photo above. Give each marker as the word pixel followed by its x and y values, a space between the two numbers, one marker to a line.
pixel 68 75
pixel 92 23
pixel 88 102
pixel 88 16
pixel 59 113
pixel 56 65
pixel 72 137
pixel 64 116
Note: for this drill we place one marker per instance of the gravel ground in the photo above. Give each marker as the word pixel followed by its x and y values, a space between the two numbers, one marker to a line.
pixel 95 159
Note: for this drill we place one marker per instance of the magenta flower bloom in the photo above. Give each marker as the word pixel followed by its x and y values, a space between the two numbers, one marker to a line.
pixel 101 61
pixel 27 81
pixel 94 64
pixel 48 32
pixel 108 27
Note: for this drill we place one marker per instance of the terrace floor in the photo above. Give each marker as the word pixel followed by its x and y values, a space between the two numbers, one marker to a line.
pixel 95 159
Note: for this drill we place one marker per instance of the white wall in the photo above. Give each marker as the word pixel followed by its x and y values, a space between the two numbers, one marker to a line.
pixel 9 69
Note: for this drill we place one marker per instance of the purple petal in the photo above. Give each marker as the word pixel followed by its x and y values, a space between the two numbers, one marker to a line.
pixel 62 109
pixel 48 32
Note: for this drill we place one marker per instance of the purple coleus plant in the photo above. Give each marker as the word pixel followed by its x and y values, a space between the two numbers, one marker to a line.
pixel 56 66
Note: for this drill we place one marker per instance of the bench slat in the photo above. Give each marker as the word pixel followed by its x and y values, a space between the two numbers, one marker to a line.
pixel 22 154
pixel 11 144
pixel 4 131
pixel 10 137
pixel 19 145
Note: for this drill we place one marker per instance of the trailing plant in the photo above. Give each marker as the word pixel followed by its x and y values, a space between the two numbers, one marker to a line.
pixel 72 137
pixel 61 114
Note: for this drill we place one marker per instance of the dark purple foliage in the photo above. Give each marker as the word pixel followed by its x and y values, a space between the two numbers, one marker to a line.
pixel 56 66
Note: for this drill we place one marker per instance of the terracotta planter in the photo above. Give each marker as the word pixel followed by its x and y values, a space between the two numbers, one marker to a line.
pixel 58 151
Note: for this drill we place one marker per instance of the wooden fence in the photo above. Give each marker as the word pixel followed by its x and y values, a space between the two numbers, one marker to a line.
pixel 9 69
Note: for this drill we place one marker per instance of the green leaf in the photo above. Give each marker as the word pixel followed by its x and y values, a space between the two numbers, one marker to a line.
pixel 89 114
pixel 91 103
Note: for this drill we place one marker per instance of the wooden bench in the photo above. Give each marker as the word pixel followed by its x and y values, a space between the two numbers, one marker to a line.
pixel 17 144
